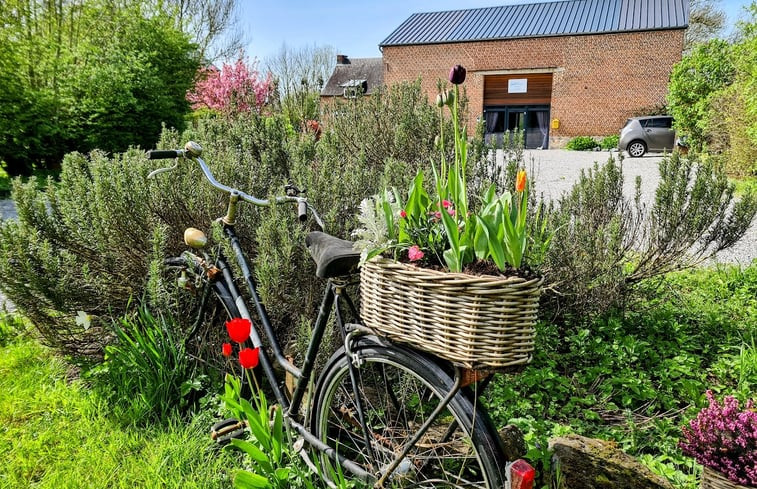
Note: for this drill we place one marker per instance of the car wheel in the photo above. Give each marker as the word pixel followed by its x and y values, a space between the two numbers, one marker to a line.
pixel 636 149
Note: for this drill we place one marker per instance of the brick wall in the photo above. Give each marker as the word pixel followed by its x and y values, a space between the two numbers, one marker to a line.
pixel 598 80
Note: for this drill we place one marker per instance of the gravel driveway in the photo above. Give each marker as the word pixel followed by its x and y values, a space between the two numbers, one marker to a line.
pixel 556 170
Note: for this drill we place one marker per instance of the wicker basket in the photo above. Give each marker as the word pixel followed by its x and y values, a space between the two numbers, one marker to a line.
pixel 473 321
pixel 712 479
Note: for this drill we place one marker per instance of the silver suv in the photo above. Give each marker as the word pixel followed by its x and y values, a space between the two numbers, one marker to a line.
pixel 651 133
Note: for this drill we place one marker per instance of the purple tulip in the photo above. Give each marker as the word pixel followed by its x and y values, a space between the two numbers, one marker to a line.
pixel 457 74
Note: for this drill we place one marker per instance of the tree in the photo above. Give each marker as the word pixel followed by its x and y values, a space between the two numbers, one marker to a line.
pixel 694 80
pixel 706 21
pixel 89 74
pixel 211 25
pixel 233 88
pixel 299 75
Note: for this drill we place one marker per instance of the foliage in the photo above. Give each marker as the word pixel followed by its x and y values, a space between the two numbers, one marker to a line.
pixel 234 88
pixel 694 80
pixel 633 376
pixel 100 236
pixel 438 226
pixel 88 75
pixel 582 143
pixel 147 375
pixel 609 142
pixel 609 243
pixel 57 433
pixel 724 438
pixel 273 461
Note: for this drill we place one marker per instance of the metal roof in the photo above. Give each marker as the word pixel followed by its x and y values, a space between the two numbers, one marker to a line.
pixel 569 17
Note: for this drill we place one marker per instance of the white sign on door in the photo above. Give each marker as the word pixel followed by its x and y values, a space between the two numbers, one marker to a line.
pixel 517 85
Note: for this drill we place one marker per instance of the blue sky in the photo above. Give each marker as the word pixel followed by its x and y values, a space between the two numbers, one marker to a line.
pixel 354 28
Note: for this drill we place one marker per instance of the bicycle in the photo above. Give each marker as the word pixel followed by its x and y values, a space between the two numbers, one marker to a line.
pixel 385 413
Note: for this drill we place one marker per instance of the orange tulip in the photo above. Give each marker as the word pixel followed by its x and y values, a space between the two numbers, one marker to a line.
pixel 520 181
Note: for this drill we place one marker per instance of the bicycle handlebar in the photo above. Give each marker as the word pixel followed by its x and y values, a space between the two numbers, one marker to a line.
pixel 193 151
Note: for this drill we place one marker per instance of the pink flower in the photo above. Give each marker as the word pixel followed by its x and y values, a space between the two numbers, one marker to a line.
pixel 446 204
pixel 403 214
pixel 414 253
pixel 436 215
pixel 451 212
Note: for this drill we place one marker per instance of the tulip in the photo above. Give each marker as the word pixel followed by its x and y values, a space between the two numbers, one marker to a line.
pixel 239 329
pixel 457 75
pixel 248 357
pixel 520 181
pixel 226 349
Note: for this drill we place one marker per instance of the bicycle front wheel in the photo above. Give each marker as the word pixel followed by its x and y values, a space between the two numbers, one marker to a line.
pixel 396 391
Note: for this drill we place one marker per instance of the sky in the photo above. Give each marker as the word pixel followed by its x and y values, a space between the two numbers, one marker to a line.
pixel 354 27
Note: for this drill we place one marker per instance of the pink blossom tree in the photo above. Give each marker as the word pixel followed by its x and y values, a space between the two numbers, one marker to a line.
pixel 237 87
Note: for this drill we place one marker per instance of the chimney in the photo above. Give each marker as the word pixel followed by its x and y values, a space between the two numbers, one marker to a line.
pixel 341 59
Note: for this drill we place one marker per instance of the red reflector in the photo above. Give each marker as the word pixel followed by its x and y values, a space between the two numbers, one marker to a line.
pixel 521 475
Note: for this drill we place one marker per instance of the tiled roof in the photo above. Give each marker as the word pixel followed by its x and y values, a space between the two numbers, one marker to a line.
pixel 366 72
pixel 569 17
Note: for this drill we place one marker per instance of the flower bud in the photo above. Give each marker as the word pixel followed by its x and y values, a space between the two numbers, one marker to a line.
pixel 457 75
pixel 450 98
pixel 437 142
pixel 441 99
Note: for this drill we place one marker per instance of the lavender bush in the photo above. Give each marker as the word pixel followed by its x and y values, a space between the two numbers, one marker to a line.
pixel 724 438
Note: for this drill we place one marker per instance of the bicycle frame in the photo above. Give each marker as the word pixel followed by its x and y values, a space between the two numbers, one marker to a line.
pixel 335 297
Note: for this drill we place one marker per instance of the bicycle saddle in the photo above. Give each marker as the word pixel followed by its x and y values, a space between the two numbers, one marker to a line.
pixel 333 257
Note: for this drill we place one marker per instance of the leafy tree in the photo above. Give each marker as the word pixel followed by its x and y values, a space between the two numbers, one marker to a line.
pixel 699 75
pixel 84 75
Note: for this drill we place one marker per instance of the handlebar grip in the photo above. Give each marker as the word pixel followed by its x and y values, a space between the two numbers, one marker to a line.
pixel 302 211
pixel 162 154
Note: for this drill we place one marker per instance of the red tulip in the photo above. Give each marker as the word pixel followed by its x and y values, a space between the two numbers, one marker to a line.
pixel 248 357
pixel 226 349
pixel 239 329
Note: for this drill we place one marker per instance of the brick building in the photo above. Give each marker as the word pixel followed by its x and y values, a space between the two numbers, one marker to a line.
pixel 554 70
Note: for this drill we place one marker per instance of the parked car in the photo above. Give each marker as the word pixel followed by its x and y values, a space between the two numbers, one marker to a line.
pixel 650 133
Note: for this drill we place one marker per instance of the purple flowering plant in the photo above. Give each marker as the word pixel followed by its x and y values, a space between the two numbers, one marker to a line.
pixel 723 437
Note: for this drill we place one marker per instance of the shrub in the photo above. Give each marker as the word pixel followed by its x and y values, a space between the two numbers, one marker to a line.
pixel 724 438
pixel 99 237
pixel 582 143
pixel 609 142
pixel 606 243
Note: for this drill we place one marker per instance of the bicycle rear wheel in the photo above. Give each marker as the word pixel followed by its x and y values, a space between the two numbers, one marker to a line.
pixel 398 388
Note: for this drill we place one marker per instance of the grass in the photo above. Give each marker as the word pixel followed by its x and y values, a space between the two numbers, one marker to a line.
pixel 55 433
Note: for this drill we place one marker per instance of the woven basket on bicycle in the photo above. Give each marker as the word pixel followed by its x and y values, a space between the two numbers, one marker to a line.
pixel 477 322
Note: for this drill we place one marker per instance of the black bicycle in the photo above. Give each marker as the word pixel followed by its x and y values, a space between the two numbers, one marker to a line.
pixel 388 415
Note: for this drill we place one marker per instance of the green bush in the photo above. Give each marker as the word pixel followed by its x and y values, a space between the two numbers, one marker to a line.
pixel 99 237
pixel 609 142
pixel 582 143
pixel 604 243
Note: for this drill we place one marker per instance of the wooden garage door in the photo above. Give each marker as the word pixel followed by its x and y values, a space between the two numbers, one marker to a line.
pixel 538 88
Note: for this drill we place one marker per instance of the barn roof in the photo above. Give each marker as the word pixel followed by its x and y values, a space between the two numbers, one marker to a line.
pixel 560 18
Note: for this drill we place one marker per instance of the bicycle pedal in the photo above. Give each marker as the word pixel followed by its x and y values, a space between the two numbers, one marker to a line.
pixel 223 431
